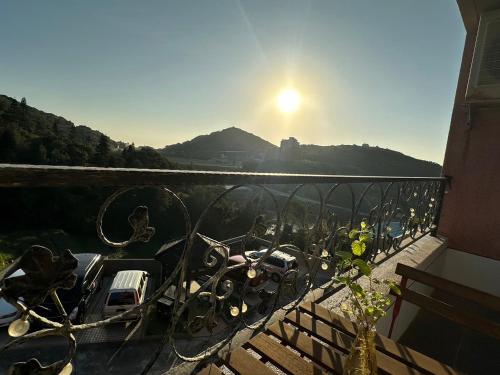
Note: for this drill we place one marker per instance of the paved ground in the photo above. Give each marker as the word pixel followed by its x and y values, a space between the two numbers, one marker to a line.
pixel 111 333
pixel 102 351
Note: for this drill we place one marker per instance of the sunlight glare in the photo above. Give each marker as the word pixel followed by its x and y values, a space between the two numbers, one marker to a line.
pixel 288 100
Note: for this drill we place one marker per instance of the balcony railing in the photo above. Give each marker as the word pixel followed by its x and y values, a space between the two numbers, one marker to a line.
pixel 307 217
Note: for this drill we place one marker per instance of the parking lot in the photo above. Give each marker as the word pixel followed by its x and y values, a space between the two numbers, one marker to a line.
pixel 112 332
pixel 102 350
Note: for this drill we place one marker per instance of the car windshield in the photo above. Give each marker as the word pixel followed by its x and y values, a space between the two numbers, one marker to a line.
pixel 121 298
pixel 275 261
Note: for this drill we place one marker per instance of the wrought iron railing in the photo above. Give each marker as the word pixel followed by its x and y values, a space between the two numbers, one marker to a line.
pixel 306 217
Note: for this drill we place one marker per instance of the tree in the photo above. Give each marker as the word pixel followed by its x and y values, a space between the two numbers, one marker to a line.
pixel 128 154
pixel 8 145
pixel 23 102
pixel 37 153
pixel 102 151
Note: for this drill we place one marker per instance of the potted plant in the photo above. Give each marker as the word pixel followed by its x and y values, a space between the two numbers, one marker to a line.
pixel 366 301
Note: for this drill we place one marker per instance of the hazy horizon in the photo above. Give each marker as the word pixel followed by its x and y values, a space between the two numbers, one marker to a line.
pixel 381 73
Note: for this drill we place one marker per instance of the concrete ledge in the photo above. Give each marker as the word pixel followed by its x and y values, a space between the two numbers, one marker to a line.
pixel 420 254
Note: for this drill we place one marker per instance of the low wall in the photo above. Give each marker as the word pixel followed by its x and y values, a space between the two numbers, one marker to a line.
pixel 421 254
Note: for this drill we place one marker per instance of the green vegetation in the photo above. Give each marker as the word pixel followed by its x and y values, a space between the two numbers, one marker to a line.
pixel 212 145
pixel 262 156
pixel 28 135
pixel 65 217
pixel 366 302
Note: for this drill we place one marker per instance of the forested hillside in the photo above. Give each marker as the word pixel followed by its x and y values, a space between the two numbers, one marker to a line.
pixel 28 135
pixel 211 145
pixel 259 155
pixel 351 160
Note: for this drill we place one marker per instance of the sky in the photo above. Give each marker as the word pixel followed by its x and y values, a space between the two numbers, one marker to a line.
pixel 160 72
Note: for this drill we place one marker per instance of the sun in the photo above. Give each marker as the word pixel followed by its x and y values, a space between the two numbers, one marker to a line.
pixel 288 100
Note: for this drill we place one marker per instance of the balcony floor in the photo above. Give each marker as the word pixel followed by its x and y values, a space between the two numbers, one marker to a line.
pixel 459 347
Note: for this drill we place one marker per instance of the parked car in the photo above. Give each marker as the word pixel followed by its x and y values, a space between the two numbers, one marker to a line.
pixel 89 274
pixel 277 264
pixel 9 313
pixel 127 291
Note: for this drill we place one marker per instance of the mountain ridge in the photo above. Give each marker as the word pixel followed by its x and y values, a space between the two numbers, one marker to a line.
pixel 230 139
pixel 261 155
pixel 39 137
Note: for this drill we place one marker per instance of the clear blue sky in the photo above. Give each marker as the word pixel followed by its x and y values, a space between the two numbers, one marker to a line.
pixel 159 72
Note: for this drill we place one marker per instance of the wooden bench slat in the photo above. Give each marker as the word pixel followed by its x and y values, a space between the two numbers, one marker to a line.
pixel 211 369
pixel 342 341
pixel 319 353
pixel 329 317
pixel 326 332
pixel 243 363
pixel 282 356
pixel 384 344
pixel 482 298
pixel 452 313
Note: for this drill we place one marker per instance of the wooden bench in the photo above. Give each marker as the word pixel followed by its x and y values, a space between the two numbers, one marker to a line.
pixel 445 301
pixel 312 340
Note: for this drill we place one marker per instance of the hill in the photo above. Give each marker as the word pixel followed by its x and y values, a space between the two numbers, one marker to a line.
pixel 228 140
pixel 240 149
pixel 351 160
pixel 28 135
pixel 30 122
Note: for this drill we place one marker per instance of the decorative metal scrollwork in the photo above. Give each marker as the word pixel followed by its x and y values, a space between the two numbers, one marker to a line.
pixel 306 224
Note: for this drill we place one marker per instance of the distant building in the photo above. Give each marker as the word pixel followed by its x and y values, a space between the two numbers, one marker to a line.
pixel 289 149
pixel 365 145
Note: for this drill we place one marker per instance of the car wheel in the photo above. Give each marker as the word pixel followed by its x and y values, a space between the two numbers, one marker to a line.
pixel 275 277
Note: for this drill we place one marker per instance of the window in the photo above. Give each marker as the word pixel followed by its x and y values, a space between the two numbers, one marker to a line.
pixel 484 80
pixel 275 262
pixel 121 298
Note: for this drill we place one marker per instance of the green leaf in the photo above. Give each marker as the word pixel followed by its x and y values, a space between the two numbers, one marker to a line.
pixel 344 255
pixel 357 289
pixel 353 233
pixel 358 248
pixel 363 266
pixel 365 236
pixel 344 279
pixel 395 288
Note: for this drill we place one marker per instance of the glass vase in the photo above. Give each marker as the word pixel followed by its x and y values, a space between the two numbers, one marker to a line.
pixel 362 359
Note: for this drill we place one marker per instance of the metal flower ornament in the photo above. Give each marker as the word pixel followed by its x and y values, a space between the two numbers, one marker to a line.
pixel 43 273
pixel 139 221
